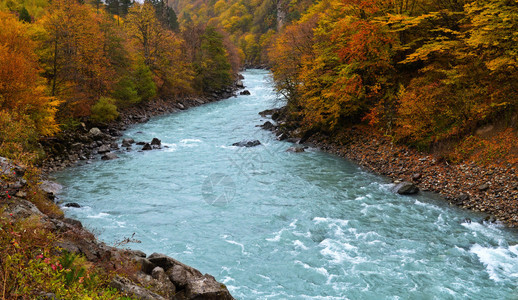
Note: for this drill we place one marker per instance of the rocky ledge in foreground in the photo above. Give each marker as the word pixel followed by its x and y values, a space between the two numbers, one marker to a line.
pixel 156 276
pixel 492 190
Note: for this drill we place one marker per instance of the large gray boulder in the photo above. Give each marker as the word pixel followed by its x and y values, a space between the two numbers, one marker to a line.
pixel 189 282
pixel 109 156
pixel 50 187
pixel 406 188
pixel 127 142
pixel 95 133
pixel 247 144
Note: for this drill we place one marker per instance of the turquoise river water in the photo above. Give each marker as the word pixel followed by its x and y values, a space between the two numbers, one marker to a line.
pixel 271 224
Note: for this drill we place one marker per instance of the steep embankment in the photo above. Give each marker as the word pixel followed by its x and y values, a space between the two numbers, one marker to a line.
pixel 133 273
pixel 23 208
pixel 490 189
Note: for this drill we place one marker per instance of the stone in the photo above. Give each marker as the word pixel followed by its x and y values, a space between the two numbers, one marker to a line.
pixel 145 265
pixel 462 198
pixel 268 125
pixel 109 156
pixel 104 149
pixel 147 147
pixel 8 168
pixel 490 219
pixel 73 222
pixel 114 145
pixel 247 144
pixel 95 133
pixel 245 93
pixel 156 142
pixel 208 288
pixel 240 84
pixel 483 187
pixel 189 281
pixel 138 253
pixel 416 176
pixel 406 188
pixel 127 142
pixel 181 275
pixel 49 187
pixel 295 149
pixel 73 204
pixel 128 288
pixel 140 143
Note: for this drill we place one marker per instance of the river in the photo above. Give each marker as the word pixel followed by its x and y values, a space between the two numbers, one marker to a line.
pixel 271 224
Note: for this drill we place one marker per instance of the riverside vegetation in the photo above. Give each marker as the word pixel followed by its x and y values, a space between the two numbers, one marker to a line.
pixel 438 76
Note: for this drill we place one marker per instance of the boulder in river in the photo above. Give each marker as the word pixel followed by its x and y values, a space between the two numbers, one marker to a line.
pixel 240 84
pixel 127 142
pixel 109 156
pixel 295 149
pixel 406 188
pixel 147 147
pixel 268 125
pixel 73 204
pixel 247 144
pixel 156 142
pixel 245 93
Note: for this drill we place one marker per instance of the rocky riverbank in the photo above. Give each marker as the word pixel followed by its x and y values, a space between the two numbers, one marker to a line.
pixel 490 189
pixel 133 273
pixel 140 276
pixel 95 141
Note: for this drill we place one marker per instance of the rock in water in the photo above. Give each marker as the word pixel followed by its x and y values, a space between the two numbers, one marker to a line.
pixel 147 147
pixel 240 84
pixel 156 142
pixel 295 149
pixel 245 93
pixel 268 125
pixel 73 204
pixel 127 142
pixel 247 144
pixel 109 156
pixel 406 188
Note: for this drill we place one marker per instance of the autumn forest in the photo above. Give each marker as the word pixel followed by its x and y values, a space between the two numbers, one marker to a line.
pixel 426 73
pixel 439 77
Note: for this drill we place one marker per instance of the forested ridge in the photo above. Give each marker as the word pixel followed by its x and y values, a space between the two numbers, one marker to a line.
pixel 430 74
pixel 427 73
pixel 64 62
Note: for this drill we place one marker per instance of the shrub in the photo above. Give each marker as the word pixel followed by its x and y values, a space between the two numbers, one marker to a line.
pixel 126 92
pixel 104 110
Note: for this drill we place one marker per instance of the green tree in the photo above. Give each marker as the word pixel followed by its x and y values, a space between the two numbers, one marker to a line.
pixel 213 70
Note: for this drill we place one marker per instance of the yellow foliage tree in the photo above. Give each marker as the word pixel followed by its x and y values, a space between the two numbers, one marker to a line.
pixel 22 91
